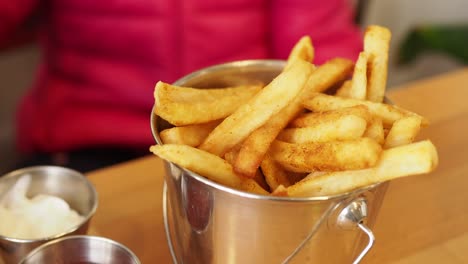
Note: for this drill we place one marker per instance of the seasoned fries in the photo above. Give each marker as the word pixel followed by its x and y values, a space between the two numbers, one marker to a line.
pixel 327 156
pixel 256 145
pixel 403 131
pixel 412 159
pixel 256 112
pixel 345 127
pixel 294 137
pixel 328 74
pixel 206 164
pixel 358 89
pixel 375 130
pixel 274 174
pixel 376 44
pixel 345 89
pixel 197 106
pixel 303 50
pixel 316 118
pixel 388 113
pixel 191 135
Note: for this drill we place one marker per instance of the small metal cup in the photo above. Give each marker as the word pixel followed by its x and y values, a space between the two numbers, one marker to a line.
pixel 67 184
pixel 81 249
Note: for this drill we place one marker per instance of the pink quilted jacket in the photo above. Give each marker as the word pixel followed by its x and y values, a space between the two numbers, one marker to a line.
pixel 101 59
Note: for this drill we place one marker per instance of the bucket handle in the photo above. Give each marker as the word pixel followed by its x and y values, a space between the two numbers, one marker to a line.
pixel 353 216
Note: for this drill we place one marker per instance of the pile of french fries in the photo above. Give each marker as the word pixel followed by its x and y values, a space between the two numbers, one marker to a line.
pixel 296 136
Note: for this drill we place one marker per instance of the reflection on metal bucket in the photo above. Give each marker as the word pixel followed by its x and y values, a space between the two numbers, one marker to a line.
pixel 198 204
pixel 210 223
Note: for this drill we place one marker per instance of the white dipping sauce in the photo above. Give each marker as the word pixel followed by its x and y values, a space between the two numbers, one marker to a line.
pixel 40 217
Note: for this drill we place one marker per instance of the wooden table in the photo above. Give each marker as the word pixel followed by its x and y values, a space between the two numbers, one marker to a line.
pixel 424 219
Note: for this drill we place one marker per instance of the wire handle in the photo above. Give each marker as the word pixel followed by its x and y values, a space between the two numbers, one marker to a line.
pixel 353 216
pixel 369 233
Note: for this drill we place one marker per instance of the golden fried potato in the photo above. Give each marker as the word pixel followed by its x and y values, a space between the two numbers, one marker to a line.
pixel 388 113
pixel 375 130
pixel 231 156
pixel 302 50
pixel 280 191
pixel 256 112
pixel 358 88
pixel 345 89
pixel 182 106
pixel 326 156
pixel 191 135
pixel 206 164
pixel 403 131
pixel 377 44
pixel 275 175
pixel 316 118
pixel 412 159
pixel 335 71
pixel 344 127
pixel 256 144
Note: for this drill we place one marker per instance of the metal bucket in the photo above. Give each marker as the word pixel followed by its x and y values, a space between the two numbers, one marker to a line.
pixel 210 223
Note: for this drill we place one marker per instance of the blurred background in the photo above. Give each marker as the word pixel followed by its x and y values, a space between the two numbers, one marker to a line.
pixel 17 70
pixel 427 35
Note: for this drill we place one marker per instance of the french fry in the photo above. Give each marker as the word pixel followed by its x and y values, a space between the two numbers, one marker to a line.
pixel 280 191
pixel 375 130
pixel 403 131
pixel 376 44
pixel 345 127
pixel 327 75
pixel 256 112
pixel 315 174
pixel 326 156
pixel 165 92
pixel 252 186
pixel 358 88
pixel 256 144
pixel 275 175
pixel 302 50
pixel 316 118
pixel 345 89
pixel 206 164
pixel 231 156
pixel 388 113
pixel 191 135
pixel 412 159
pixel 182 106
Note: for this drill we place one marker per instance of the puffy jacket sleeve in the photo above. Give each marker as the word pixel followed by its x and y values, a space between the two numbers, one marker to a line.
pixel 12 15
pixel 329 24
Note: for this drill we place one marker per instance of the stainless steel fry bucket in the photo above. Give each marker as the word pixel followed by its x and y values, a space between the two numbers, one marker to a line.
pixel 210 223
